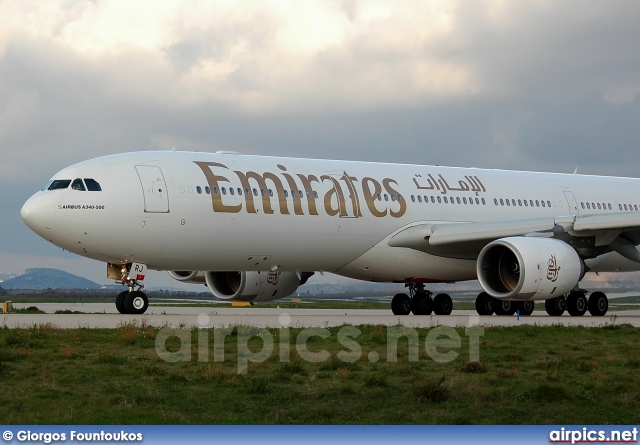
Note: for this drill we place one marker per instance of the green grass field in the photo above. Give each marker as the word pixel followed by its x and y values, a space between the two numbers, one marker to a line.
pixel 525 375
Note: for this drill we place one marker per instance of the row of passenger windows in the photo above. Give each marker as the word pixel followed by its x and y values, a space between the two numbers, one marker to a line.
pixel 386 197
pixel 445 200
pixel 233 191
pixel 520 202
pixel 77 184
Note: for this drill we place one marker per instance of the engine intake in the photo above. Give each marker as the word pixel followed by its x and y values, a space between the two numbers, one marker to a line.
pixel 528 268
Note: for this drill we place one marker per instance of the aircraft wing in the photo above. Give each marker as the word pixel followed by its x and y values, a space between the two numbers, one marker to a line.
pixel 464 240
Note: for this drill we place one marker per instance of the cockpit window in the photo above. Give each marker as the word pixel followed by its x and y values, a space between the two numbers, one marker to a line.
pixel 92 185
pixel 78 185
pixel 59 184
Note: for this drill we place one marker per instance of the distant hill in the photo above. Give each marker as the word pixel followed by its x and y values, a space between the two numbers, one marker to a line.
pixel 48 279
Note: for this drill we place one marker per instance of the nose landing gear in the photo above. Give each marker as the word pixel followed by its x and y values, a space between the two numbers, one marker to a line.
pixel 132 301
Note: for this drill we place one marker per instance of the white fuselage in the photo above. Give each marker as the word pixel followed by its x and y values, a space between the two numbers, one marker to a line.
pixel 226 212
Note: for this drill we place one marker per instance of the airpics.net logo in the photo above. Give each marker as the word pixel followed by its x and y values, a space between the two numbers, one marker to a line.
pixel 589 435
pixel 441 344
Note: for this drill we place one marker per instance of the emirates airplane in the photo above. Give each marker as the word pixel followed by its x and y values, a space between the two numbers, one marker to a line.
pixel 255 228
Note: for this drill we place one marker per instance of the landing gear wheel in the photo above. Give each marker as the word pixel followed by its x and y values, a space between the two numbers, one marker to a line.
pixel 421 305
pixel 555 306
pixel 598 304
pixel 401 304
pixel 525 308
pixel 120 302
pixel 484 304
pixel 576 304
pixel 136 302
pixel 504 307
pixel 442 304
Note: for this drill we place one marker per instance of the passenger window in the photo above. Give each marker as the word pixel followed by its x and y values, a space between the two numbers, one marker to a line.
pixel 255 192
pixel 315 194
pixel 239 191
pixel 92 185
pixel 207 189
pixel 458 200
pixel 271 193
pixel 199 190
pixel 224 191
pixel 483 201
pixel 413 199
pixel 232 191
pixel 286 194
pixel 439 200
pixel 446 201
pixel 59 184
pixel 78 185
pixel 519 203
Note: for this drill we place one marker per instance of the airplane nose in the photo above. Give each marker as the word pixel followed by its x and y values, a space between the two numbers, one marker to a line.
pixel 39 213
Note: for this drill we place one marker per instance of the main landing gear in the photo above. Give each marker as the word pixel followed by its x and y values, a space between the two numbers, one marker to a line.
pixel 576 303
pixel 421 302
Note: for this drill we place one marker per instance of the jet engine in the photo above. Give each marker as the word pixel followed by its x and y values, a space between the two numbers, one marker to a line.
pixel 254 286
pixel 188 276
pixel 529 268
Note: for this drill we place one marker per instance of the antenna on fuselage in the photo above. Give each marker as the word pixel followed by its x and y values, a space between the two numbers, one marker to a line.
pixel 575 172
pixel 174 148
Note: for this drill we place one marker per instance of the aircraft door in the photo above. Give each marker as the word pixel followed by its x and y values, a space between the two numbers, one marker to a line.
pixel 573 204
pixel 154 189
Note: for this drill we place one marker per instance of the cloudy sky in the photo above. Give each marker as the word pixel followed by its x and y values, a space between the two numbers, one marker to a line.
pixel 530 85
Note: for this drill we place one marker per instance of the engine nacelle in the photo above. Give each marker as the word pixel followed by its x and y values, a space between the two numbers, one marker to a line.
pixel 253 286
pixel 528 268
pixel 188 276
